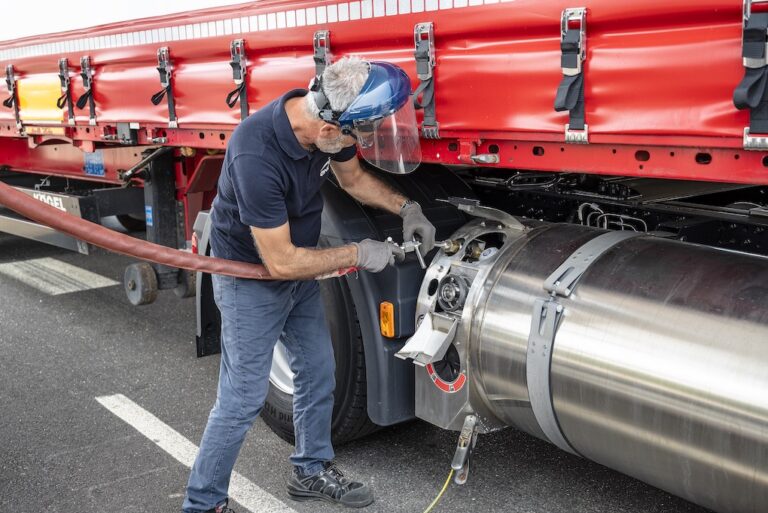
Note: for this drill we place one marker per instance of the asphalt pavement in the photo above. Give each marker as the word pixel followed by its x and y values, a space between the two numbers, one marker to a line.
pixel 64 451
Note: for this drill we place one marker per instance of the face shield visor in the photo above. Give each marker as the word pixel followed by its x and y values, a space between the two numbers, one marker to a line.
pixel 383 120
pixel 391 143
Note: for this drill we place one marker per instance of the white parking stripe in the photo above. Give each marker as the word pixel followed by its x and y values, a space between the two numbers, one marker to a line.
pixel 241 489
pixel 53 276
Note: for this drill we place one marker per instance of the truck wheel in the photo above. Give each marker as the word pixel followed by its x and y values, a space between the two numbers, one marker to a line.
pixel 140 282
pixel 350 417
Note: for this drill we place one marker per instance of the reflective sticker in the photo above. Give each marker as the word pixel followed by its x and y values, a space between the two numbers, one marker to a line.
pixel 94 163
pixel 148 215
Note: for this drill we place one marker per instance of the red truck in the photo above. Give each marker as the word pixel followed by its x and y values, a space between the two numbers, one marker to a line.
pixel 599 172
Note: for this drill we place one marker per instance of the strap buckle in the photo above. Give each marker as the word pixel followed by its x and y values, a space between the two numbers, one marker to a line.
pixel 238 62
pixel 424 53
pixel 86 72
pixel 751 61
pixel 64 74
pixel 10 79
pixel 322 50
pixel 164 66
pixel 12 101
pixel 573 42
pixel 237 54
pixel 424 41
pixel 66 93
pixel 165 69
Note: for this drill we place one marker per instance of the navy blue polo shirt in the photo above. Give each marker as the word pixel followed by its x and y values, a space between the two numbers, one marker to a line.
pixel 268 179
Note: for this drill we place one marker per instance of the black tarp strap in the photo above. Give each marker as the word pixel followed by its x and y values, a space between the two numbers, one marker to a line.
pixel 239 75
pixel 12 101
pixel 752 93
pixel 86 73
pixel 65 100
pixel 570 93
pixel 165 69
pixel 424 95
pixel 321 45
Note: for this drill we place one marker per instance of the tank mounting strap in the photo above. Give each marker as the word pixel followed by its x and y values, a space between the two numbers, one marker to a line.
pixel 752 91
pixel 570 93
pixel 545 321
pixel 86 73
pixel 12 102
pixel 165 69
pixel 424 41
pixel 66 91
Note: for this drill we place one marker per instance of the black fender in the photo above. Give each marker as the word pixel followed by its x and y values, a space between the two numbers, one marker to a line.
pixel 390 380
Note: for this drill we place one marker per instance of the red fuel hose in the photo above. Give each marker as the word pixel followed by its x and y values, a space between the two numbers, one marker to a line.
pixel 111 240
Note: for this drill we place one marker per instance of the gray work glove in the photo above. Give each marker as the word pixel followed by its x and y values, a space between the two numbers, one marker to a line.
pixel 374 256
pixel 415 223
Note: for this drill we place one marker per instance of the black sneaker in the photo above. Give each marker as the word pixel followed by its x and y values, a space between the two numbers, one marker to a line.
pixel 329 485
pixel 221 509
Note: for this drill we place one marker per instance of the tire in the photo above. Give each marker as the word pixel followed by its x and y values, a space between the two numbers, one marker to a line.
pixel 132 223
pixel 350 417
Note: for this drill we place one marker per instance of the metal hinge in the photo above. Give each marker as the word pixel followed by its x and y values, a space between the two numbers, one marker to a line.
pixel 754 142
pixel 577 136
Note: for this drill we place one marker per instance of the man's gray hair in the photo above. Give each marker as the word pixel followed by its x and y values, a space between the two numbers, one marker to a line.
pixel 342 82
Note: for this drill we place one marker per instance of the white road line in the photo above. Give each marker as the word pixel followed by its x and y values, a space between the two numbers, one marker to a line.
pixel 54 277
pixel 241 489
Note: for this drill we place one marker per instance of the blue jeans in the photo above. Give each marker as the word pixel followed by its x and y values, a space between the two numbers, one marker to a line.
pixel 254 314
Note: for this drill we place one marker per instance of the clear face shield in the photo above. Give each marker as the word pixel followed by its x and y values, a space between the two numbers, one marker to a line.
pixel 391 143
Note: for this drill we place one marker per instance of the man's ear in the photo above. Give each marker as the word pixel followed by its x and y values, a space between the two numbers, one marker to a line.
pixel 328 131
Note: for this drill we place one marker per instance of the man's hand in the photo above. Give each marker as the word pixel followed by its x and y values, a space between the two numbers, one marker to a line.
pixel 374 256
pixel 415 223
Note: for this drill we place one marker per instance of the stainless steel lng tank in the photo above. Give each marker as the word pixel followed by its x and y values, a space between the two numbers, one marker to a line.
pixel 644 354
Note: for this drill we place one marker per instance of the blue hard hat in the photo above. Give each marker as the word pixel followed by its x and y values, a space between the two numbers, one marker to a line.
pixel 386 89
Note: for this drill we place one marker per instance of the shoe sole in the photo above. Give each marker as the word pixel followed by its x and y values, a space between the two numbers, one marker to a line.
pixel 309 495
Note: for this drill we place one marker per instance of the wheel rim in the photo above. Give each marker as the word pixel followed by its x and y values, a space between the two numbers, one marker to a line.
pixel 281 374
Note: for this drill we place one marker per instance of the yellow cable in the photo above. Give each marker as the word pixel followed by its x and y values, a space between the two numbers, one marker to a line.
pixel 439 495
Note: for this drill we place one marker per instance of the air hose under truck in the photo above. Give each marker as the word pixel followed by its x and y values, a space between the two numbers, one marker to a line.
pixel 111 240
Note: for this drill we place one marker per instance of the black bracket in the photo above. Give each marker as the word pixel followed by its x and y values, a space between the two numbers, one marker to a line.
pixel 12 102
pixel 752 93
pixel 570 93
pixel 66 92
pixel 239 75
pixel 322 50
pixel 165 69
pixel 424 41
pixel 86 72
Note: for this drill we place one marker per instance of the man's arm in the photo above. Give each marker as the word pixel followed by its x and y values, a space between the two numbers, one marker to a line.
pixel 370 190
pixel 287 262
pixel 365 187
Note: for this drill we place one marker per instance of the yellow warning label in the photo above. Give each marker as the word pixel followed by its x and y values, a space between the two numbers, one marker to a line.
pixel 37 99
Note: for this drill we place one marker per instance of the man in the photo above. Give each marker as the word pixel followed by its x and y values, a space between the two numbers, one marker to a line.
pixel 268 211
